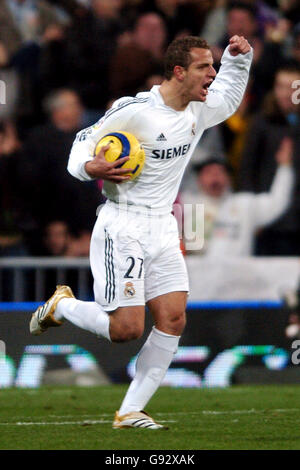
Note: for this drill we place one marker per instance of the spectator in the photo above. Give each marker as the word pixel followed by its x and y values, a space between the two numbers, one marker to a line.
pixel 296 44
pixel 10 36
pixel 90 43
pixel 233 133
pixel 183 18
pixel 50 191
pixel 215 26
pixel 290 10
pixel 241 20
pixel 31 17
pixel 276 45
pixel 57 238
pixel 212 143
pixel 12 214
pixel 26 22
pixel 231 220
pixel 267 32
pixel 145 47
pixel 279 117
pixel 59 241
pixel 10 81
pixel 53 69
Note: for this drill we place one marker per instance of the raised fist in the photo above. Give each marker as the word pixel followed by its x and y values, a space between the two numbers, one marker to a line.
pixel 238 45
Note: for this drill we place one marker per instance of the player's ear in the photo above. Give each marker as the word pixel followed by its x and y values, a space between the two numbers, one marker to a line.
pixel 179 72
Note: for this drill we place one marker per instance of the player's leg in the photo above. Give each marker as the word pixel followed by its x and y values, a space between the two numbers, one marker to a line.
pixel 127 323
pixel 166 287
pixel 123 324
pixel 118 311
pixel 156 355
pixel 168 312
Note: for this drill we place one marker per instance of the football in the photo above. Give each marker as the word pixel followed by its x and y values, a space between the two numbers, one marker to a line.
pixel 123 144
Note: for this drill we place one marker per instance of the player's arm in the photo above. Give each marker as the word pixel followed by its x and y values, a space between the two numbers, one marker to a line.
pixel 227 90
pixel 83 164
pixel 267 207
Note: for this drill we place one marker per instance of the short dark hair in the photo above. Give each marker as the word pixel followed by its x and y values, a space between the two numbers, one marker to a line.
pixel 178 53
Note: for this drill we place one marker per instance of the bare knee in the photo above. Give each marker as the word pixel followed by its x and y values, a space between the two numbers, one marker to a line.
pixel 124 333
pixel 172 324
pixel 168 311
pixel 126 326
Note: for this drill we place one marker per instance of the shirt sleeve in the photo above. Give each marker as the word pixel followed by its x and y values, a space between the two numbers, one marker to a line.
pixel 267 207
pixel 83 148
pixel 226 92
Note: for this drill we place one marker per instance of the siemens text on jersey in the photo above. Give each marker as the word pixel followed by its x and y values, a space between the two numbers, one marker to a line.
pixel 170 152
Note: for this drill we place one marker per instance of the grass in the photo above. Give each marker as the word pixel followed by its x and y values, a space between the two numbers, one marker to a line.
pixel 256 417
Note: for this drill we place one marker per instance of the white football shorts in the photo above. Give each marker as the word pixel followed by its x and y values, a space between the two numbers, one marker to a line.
pixel 135 257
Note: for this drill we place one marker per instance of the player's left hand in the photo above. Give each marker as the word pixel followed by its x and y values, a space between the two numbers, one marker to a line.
pixel 238 45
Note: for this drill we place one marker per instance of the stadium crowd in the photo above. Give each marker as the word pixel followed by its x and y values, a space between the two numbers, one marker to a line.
pixel 64 62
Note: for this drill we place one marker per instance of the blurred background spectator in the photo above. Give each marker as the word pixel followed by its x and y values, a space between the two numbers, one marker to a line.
pixel 144 45
pixel 8 75
pixel 64 62
pixel 58 240
pixel 49 191
pixel 279 117
pixel 231 219
pixel 12 213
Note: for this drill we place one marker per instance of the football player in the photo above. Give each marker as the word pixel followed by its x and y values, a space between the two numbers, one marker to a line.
pixel 135 255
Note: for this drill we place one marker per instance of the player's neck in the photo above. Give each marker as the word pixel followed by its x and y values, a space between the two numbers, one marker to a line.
pixel 173 95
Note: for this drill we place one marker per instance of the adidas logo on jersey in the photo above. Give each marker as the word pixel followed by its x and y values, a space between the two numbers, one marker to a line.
pixel 161 138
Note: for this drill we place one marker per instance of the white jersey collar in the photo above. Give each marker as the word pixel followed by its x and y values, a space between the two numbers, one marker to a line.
pixel 158 96
pixel 159 99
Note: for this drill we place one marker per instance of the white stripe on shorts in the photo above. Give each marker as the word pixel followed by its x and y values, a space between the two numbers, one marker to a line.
pixel 110 288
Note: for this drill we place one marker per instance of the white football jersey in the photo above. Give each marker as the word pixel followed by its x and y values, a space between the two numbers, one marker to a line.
pixel 168 137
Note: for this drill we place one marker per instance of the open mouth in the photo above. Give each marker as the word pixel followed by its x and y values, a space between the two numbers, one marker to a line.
pixel 206 86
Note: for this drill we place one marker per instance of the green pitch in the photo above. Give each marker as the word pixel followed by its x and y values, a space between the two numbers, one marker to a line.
pixel 265 417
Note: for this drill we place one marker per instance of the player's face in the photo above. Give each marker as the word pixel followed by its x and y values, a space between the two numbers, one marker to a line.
pixel 214 180
pixel 199 74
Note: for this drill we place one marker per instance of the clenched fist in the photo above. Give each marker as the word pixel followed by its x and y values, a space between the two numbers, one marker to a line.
pixel 238 45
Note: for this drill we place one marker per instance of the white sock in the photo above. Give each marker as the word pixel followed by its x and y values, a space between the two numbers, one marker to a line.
pixel 87 315
pixel 152 364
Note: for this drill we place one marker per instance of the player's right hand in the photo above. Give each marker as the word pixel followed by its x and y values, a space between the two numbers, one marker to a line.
pixel 99 167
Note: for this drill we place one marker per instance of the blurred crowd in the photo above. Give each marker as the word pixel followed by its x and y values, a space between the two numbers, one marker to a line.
pixel 64 62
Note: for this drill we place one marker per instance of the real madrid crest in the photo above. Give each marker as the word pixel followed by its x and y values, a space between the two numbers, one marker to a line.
pixel 194 129
pixel 129 290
